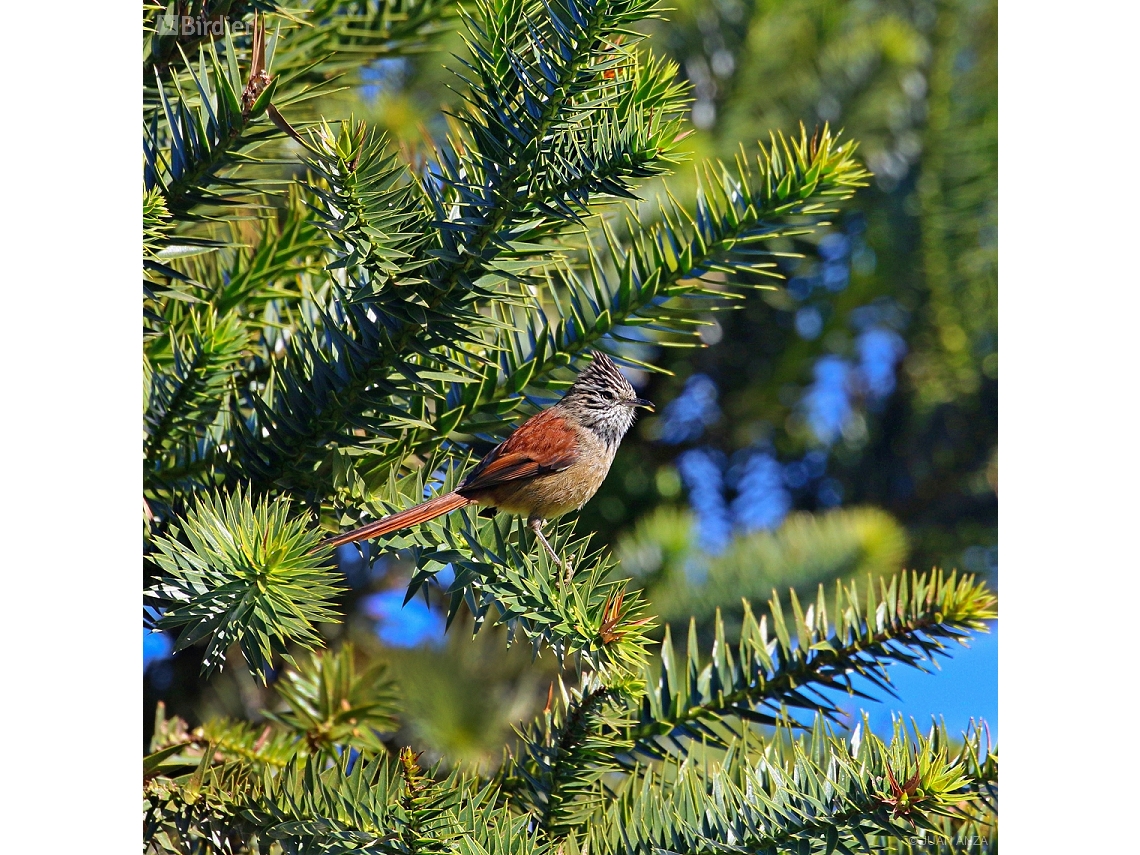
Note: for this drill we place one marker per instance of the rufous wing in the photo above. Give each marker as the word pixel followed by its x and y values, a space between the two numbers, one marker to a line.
pixel 545 443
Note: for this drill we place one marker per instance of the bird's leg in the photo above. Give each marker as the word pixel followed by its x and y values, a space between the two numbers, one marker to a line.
pixel 535 524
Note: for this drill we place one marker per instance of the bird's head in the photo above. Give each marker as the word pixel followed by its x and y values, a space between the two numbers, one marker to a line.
pixel 602 400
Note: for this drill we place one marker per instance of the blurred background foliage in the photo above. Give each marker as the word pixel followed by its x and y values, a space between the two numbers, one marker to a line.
pixel 843 424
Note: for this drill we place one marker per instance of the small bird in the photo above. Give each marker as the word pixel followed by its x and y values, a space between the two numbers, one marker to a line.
pixel 553 463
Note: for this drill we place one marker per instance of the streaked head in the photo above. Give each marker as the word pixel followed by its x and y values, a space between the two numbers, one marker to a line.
pixel 603 400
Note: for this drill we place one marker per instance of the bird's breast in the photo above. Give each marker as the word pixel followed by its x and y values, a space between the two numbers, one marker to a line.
pixel 557 493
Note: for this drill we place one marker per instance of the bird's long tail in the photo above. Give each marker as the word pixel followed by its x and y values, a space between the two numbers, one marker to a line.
pixel 423 512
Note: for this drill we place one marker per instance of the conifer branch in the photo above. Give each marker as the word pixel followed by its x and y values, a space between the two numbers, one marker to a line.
pixel 244 574
pixel 194 137
pixel 369 205
pixel 566 754
pixel 187 389
pixel 382 344
pixel 592 619
pixel 809 792
pixel 322 39
pixel 332 706
pixel 205 350
pixel 644 282
pixel 340 36
pixel 777 667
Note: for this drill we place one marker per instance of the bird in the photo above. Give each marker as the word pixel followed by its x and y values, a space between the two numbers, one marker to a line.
pixel 553 463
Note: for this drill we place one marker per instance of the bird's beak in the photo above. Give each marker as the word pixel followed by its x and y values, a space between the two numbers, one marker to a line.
pixel 641 402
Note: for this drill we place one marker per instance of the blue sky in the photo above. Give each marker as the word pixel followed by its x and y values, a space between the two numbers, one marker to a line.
pixel 966 687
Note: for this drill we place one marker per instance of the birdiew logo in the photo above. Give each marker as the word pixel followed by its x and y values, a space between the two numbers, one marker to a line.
pixel 198 26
